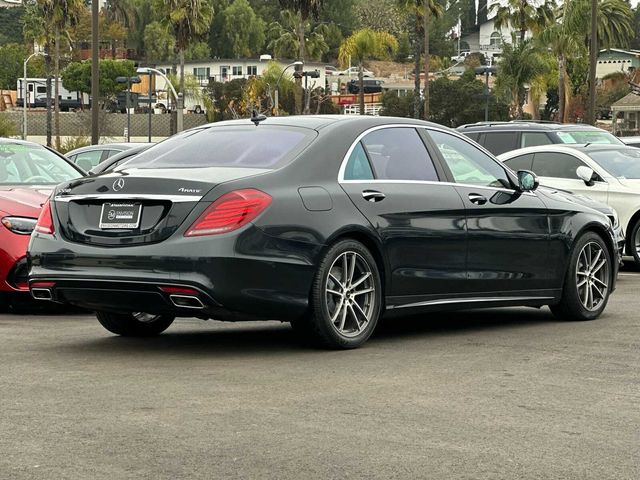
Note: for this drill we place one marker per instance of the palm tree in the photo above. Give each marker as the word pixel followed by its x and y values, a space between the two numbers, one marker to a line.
pixel 305 9
pixel 285 42
pixel 59 14
pixel 519 65
pixel 563 43
pixel 363 44
pixel 190 21
pixel 615 21
pixel 421 28
pixel 523 15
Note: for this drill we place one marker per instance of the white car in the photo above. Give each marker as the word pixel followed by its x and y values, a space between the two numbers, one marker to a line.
pixel 608 173
pixel 353 71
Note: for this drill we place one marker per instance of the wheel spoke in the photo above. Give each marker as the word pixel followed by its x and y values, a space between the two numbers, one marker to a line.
pixel 333 277
pixel 337 311
pixel 597 268
pixel 355 316
pixel 360 311
pixel 595 260
pixel 333 292
pixel 581 283
pixel 362 292
pixel 601 293
pixel 344 316
pixel 352 269
pixel 604 284
pixel 345 269
pixel 361 279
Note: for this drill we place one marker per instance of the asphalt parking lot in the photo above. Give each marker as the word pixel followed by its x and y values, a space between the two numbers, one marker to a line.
pixel 497 394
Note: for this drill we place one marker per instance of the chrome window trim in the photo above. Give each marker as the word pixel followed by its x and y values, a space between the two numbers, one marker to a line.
pixel 430 182
pixel 464 138
pixel 447 301
pixel 122 196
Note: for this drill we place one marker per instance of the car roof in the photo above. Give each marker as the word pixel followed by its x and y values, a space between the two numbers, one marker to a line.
pixel 566 148
pixel 14 141
pixel 105 146
pixel 318 122
pixel 520 125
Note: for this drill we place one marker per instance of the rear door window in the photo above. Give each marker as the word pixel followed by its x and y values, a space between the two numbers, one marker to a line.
pixel 500 142
pixel 521 162
pixel 399 154
pixel 532 139
pixel 263 146
pixel 557 165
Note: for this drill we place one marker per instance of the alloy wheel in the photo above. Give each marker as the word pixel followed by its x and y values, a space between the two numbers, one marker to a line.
pixel 592 276
pixel 350 294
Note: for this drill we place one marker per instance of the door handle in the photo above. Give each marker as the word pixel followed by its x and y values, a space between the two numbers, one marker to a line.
pixel 373 195
pixel 477 199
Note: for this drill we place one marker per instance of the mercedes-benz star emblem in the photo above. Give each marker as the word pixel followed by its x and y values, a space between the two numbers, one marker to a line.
pixel 118 185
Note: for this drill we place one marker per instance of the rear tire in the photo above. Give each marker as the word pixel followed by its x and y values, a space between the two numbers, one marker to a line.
pixel 587 283
pixel 633 243
pixel 346 298
pixel 134 325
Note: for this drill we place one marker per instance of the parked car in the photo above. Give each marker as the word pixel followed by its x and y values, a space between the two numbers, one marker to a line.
pixel 633 141
pixel 324 221
pixel 607 173
pixel 369 85
pixel 118 159
pixel 90 156
pixel 330 70
pixel 501 137
pixel 28 173
pixel 355 71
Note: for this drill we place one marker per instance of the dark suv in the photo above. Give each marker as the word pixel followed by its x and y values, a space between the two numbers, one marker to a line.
pixel 501 137
pixel 370 86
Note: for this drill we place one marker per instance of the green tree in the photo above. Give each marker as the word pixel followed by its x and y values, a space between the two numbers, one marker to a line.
pixel 284 41
pixel 305 10
pixel 523 15
pixel 76 77
pixel 59 14
pixel 362 45
pixel 197 51
pixel 243 30
pixel 519 65
pixel 11 24
pixel 13 56
pixel 190 20
pixel 563 43
pixel 159 42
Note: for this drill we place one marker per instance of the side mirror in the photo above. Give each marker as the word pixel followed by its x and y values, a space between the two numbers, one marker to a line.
pixel 586 174
pixel 527 181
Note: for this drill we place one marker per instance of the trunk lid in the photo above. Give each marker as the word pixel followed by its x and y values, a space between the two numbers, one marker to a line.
pixel 136 206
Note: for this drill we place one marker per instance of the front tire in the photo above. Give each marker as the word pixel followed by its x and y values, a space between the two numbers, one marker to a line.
pixel 346 298
pixel 134 324
pixel 587 283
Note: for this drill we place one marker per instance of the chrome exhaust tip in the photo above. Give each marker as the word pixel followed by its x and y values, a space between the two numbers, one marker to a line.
pixel 186 301
pixel 42 294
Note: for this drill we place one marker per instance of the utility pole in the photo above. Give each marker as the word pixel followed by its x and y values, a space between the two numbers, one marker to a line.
pixel 95 72
pixel 427 58
pixel 593 62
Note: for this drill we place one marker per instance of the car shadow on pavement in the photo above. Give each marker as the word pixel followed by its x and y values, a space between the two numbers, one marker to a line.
pixel 259 338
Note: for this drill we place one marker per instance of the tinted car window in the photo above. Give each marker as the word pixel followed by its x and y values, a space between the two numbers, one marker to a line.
pixel 587 136
pixel 399 154
pixel 619 163
pixel 532 139
pixel 522 162
pixel 88 160
pixel 500 142
pixel 469 164
pixel 559 165
pixel 473 136
pixel 358 167
pixel 241 147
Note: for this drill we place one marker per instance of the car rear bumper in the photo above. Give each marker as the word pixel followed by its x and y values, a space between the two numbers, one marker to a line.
pixel 235 277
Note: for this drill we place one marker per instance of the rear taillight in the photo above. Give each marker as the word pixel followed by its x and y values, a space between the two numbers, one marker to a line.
pixel 230 212
pixel 45 220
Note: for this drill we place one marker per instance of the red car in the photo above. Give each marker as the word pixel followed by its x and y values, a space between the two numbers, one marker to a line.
pixel 28 173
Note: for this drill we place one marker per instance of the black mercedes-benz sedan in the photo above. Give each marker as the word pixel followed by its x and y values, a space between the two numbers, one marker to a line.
pixel 324 221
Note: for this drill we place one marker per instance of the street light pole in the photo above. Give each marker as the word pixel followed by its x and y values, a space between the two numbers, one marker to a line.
pixel 128 81
pixel 593 61
pixel 276 109
pixel 95 73
pixel 176 97
pixel 24 95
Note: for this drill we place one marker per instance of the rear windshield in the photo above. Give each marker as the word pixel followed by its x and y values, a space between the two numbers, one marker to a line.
pixel 243 146
pixel 588 136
